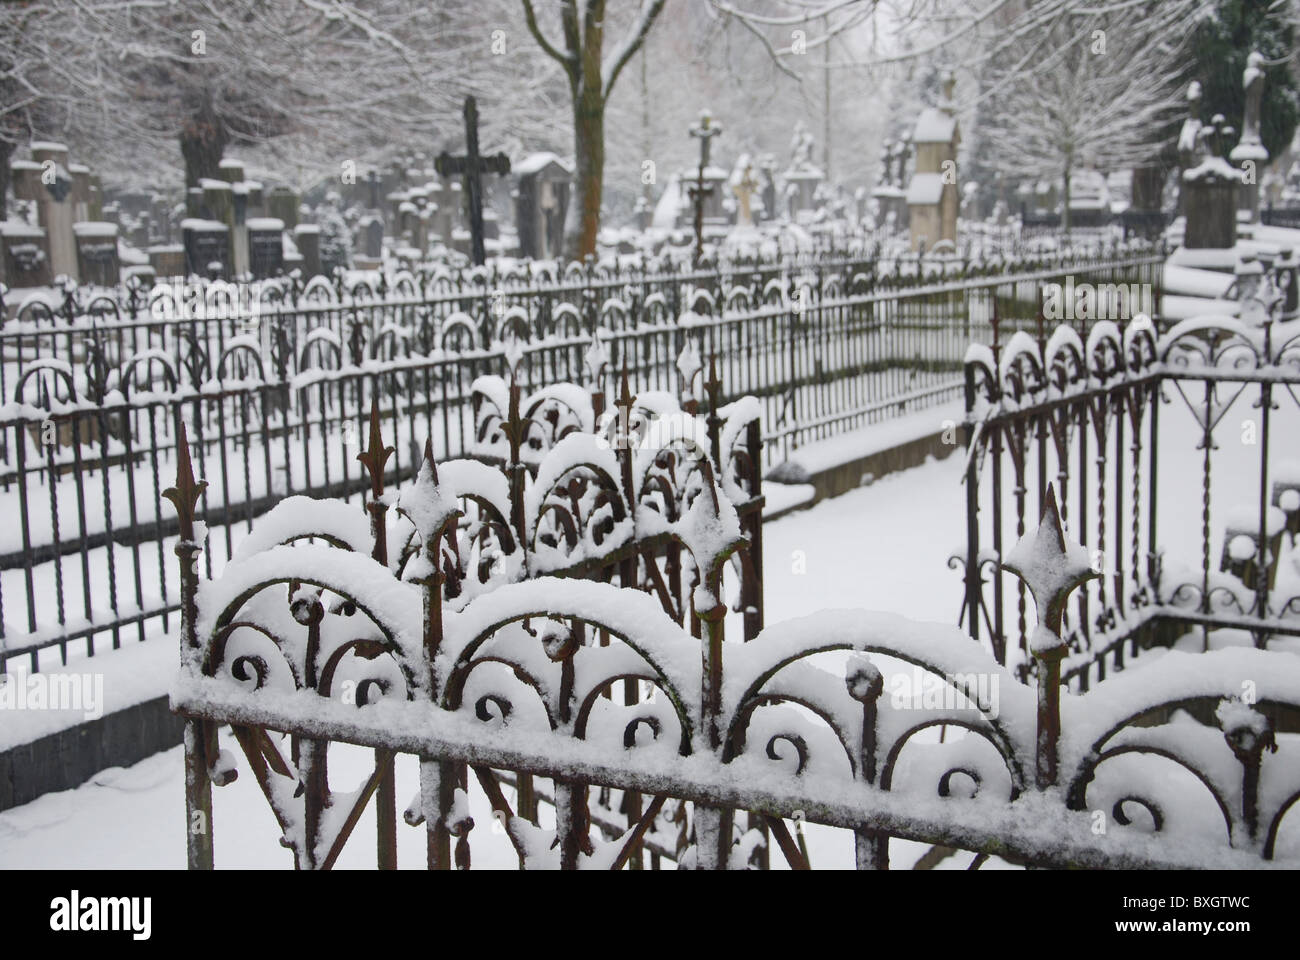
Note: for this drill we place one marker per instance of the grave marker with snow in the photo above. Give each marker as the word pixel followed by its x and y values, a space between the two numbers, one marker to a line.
pixel 97 260
pixel 265 247
pixel 541 203
pixel 1210 190
pixel 26 256
pixel 932 196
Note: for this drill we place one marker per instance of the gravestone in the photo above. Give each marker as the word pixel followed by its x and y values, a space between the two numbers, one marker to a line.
pixel 705 191
pixel 1210 189
pixel 643 210
pixel 307 238
pixel 372 237
pixel 888 192
pixel 207 248
pixel 219 202
pixel 932 195
pixel 231 171
pixel 167 260
pixel 265 247
pixel 26 256
pixel 744 184
pixel 55 206
pixel 541 203
pixel 26 178
pixel 767 168
pixel 80 191
pixel 256 199
pixel 282 203
pixel 471 167
pixel 96 198
pixel 97 258
pixel 239 228
pixel 802 174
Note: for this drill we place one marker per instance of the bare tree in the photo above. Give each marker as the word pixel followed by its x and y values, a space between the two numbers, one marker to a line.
pixel 591 74
pixel 142 87
pixel 1101 94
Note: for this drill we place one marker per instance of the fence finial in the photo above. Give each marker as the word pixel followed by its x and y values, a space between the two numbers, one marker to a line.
pixel 1051 567
pixel 625 398
pixel 185 494
pixel 428 458
pixel 376 455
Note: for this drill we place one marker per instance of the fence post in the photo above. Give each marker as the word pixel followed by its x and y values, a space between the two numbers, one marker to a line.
pixel 972 510
pixel 373 460
pixel 199 735
pixel 865 684
pixel 1051 568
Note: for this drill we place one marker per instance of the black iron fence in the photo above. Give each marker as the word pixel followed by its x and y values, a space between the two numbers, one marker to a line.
pixel 653 743
pixel 1280 217
pixel 88 432
pixel 1174 459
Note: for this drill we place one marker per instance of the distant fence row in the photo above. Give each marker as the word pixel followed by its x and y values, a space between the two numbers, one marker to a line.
pixel 278 407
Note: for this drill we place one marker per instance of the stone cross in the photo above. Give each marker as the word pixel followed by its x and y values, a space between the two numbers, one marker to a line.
pixel 472 166
pixel 705 131
pixel 744 189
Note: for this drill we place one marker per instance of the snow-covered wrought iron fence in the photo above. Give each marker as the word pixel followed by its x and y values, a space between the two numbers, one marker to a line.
pixel 367 637
pixel 1175 458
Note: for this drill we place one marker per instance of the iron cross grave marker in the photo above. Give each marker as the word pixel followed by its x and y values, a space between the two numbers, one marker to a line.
pixel 472 167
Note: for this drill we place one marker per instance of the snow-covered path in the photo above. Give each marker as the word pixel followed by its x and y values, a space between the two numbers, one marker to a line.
pixel 842 553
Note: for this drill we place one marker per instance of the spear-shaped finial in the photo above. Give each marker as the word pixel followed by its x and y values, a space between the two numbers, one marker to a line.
pixel 625 398
pixel 185 494
pixel 428 458
pixel 1051 567
pixel 376 455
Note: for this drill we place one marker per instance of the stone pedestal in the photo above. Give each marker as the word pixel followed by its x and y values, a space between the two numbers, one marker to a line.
pixel 167 260
pixel 80 191
pixel 265 247
pixel 1210 191
pixel 239 229
pixel 231 171
pixel 25 176
pixel 307 238
pixel 56 207
pixel 282 204
pixel 372 237
pixel 207 248
pixel 24 256
pixel 97 253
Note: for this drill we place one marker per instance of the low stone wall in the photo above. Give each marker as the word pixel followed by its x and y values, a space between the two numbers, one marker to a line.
pixel 67 759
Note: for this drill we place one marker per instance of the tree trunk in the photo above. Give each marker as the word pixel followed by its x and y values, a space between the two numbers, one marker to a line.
pixel 589 149
pixel 203 140
pixel 6 153
pixel 1065 199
